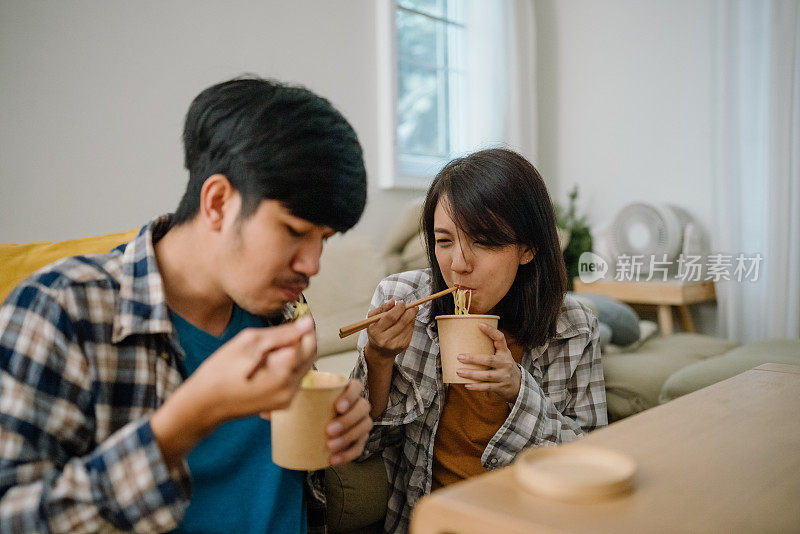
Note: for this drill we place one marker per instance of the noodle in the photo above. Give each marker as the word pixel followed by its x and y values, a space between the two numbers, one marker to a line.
pixel 463 299
pixel 295 311
pixel 298 309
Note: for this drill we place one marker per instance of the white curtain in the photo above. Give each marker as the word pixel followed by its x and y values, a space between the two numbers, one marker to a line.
pixel 758 165
pixel 500 65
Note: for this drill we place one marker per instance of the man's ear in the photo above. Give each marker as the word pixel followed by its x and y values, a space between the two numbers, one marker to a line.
pixel 216 201
pixel 527 256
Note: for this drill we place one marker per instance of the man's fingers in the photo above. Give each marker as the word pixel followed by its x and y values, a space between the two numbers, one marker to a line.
pixel 351 453
pixel 342 424
pixel 282 362
pixel 308 347
pixel 349 396
pixel 352 435
pixel 273 337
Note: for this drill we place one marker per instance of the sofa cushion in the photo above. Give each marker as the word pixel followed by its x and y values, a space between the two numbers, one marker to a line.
pixel 340 363
pixel 647 329
pixel 341 293
pixel 357 494
pixel 619 316
pixel 738 360
pixel 634 380
pixel 404 230
pixel 414 255
pixel 20 261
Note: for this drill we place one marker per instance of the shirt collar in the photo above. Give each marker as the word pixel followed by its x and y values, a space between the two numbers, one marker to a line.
pixel 142 306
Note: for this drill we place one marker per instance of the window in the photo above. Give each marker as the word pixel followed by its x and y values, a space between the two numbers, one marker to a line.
pixel 430 78
pixel 448 83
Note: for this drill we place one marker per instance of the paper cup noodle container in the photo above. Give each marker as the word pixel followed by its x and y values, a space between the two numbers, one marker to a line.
pixel 459 334
pixel 299 439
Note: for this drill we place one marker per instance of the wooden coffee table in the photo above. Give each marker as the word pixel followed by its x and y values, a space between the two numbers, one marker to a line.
pixel 725 458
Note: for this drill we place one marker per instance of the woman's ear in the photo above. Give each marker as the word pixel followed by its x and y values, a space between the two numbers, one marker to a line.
pixel 527 256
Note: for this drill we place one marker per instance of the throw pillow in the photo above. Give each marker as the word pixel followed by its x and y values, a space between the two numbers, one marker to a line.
pixel 620 317
pixel 17 262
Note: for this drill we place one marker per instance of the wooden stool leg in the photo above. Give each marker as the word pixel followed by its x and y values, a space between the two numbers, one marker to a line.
pixel 686 318
pixel 665 319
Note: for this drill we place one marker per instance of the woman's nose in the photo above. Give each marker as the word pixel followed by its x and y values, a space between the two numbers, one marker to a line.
pixel 462 259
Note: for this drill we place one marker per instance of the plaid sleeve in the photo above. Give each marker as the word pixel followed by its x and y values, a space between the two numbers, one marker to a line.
pixel 405 399
pixel 50 480
pixel 566 414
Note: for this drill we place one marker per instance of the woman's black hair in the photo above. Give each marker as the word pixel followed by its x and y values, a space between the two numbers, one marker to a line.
pixel 274 141
pixel 497 197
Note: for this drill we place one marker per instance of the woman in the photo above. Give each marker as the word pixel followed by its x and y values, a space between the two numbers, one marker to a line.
pixel 489 226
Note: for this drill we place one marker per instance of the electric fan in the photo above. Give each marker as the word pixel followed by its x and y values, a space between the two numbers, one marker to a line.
pixel 661 232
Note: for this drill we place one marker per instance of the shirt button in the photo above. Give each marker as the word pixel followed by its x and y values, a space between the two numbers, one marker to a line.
pixel 494 461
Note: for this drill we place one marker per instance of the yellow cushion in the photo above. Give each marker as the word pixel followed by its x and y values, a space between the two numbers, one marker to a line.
pixel 17 262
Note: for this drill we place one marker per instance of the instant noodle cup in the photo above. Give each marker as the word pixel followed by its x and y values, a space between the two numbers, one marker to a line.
pixel 299 438
pixel 459 334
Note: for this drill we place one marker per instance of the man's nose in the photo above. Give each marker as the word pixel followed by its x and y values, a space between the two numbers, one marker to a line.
pixel 307 259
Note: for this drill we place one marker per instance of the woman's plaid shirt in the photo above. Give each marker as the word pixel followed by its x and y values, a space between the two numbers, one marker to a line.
pixel 561 397
pixel 87 354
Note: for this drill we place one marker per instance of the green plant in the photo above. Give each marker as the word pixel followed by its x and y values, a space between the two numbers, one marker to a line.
pixel 580 238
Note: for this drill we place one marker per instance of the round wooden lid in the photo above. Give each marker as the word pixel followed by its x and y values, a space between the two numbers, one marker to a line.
pixel 575 472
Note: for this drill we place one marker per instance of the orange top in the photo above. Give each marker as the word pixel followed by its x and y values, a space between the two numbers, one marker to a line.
pixel 469 421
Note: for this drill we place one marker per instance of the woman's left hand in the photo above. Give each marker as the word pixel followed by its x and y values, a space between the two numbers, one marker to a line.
pixel 503 376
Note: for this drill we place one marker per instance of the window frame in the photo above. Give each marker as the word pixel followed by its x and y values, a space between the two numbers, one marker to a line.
pixel 395 169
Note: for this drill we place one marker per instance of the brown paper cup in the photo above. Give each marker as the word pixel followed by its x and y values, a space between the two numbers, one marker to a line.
pixel 459 334
pixel 299 439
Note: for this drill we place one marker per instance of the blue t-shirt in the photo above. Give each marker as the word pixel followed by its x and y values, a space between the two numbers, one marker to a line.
pixel 235 485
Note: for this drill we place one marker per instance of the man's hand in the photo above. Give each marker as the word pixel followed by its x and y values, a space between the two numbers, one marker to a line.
pixel 218 390
pixel 503 376
pixel 348 433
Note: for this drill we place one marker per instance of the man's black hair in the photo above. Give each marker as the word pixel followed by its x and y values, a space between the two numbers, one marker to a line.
pixel 274 141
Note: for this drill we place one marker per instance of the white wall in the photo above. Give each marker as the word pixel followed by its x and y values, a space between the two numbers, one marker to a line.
pixel 626 96
pixel 626 102
pixel 93 95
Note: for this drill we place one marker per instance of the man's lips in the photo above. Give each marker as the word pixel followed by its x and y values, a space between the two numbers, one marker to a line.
pixel 292 292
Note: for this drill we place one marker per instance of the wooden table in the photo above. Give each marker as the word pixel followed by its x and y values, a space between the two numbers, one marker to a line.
pixel 725 458
pixel 663 295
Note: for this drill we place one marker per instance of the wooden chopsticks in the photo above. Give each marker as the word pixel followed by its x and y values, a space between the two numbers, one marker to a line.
pixel 361 325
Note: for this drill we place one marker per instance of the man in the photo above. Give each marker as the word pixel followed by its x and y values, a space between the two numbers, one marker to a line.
pixel 118 370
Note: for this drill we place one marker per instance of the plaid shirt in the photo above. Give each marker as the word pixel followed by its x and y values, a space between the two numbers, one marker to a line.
pixel 87 354
pixel 561 396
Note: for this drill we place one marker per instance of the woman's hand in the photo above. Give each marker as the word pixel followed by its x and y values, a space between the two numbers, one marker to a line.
pixel 503 376
pixel 392 334
pixel 388 337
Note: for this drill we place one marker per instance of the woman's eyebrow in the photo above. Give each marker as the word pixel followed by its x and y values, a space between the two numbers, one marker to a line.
pixel 441 231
